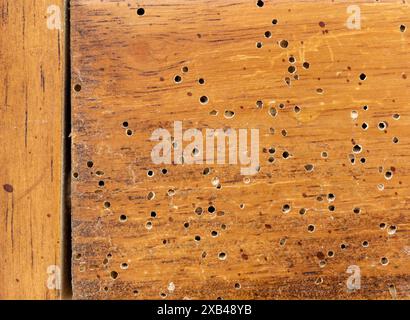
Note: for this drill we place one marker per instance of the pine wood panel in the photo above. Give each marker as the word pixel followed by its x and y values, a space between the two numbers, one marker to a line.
pixel 31 109
pixel 347 206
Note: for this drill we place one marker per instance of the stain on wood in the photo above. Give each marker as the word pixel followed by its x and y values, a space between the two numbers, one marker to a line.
pixel 31 108
pixel 327 214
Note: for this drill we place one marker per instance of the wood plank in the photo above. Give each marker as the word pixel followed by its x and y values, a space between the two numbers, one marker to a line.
pixel 31 109
pixel 309 221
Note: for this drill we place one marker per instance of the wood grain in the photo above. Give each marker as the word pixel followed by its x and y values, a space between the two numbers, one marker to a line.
pixel 341 213
pixel 31 109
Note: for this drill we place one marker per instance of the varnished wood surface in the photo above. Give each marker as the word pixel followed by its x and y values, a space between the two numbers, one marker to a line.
pixel 125 64
pixel 31 108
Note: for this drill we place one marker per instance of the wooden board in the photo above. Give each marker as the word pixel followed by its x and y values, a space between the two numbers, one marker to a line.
pixel 31 109
pixel 330 205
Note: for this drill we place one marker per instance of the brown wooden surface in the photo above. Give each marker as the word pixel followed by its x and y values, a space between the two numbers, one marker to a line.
pixel 126 63
pixel 31 107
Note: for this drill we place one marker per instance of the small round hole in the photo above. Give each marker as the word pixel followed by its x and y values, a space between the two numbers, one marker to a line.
pixel 291 69
pixel 309 167
pixel 204 100
pixel 286 208
pixel 77 88
pixel 392 230
pixel 222 256
pixel 382 125
pixel 229 114
pixel 151 195
pixel 123 218
pixel 357 148
pixel 140 11
pixel 284 44
pixel 362 76
pixel 273 112
pixel 388 175
pixel 354 114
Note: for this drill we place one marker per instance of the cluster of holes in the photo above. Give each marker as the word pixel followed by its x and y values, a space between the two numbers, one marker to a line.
pixel 292 69
pixel 178 78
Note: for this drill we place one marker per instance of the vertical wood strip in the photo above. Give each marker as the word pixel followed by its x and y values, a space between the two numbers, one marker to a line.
pixel 31 108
